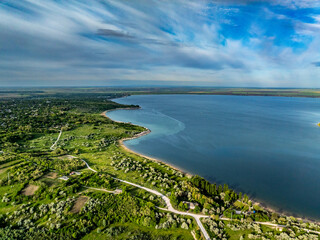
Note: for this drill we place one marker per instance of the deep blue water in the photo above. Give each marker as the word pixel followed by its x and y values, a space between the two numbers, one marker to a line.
pixel 267 147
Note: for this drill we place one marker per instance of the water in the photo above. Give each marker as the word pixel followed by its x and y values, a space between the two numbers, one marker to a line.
pixel 267 147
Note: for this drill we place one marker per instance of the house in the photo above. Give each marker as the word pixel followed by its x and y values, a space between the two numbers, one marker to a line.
pixel 118 191
pixel 191 205
pixel 238 212
pixel 64 178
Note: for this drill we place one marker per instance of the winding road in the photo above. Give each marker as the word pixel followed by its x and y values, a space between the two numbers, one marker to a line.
pixel 103 190
pixel 197 217
pixel 170 208
pixel 55 143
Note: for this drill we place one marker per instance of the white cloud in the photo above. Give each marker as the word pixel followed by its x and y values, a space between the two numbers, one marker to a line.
pixel 158 40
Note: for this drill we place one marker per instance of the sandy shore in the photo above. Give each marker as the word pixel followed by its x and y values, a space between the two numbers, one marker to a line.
pixel 147 131
pixel 105 112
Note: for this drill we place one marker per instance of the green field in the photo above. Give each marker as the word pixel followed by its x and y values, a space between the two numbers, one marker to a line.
pixel 36 204
pixel 114 92
pixel 128 231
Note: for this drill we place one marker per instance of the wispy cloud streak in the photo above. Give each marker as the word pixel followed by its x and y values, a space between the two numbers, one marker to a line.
pixel 228 43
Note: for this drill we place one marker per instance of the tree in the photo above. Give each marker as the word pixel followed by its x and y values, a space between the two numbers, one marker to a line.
pixel 274 216
pixel 184 225
pixel 104 223
pixel 174 199
pixel 197 209
pixel 183 206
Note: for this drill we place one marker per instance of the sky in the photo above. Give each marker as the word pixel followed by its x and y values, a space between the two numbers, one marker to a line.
pixel 225 43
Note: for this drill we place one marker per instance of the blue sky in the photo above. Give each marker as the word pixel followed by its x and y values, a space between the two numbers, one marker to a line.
pixel 238 43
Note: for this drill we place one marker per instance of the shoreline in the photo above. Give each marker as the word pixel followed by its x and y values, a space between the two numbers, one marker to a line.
pixel 104 113
pixel 189 175
pixel 150 158
pixel 146 132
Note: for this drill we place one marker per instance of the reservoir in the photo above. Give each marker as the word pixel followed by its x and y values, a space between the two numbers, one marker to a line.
pixel 266 147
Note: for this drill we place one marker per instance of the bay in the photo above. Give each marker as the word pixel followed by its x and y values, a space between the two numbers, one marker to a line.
pixel 267 147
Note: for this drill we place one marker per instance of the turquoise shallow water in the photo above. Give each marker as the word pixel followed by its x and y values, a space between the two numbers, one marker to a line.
pixel 267 147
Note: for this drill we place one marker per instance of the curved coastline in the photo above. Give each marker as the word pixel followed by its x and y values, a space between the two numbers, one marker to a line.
pixel 147 131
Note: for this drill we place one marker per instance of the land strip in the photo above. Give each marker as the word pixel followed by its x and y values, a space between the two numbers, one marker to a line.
pixel 56 142
pixel 169 208
pixel 33 129
pixel 197 217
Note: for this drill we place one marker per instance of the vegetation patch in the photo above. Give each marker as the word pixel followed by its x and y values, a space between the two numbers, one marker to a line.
pixel 51 175
pixel 80 202
pixel 30 190
pixel 35 205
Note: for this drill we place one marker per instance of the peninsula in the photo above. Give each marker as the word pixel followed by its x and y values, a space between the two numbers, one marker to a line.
pixel 64 174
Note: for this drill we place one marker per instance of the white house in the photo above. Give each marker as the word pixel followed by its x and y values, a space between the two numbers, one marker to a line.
pixel 191 205
pixel 64 178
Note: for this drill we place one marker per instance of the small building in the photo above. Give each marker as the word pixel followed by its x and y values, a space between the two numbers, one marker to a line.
pixel 238 212
pixel 75 173
pixel 64 178
pixel 118 191
pixel 281 229
pixel 191 205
